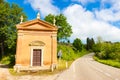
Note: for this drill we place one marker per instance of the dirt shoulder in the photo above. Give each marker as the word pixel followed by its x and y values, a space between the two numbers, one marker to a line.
pixel 5 75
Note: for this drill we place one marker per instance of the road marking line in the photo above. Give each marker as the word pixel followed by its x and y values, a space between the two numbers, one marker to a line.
pixel 107 74
pixel 99 69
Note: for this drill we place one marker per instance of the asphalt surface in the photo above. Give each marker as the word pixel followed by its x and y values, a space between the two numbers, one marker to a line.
pixel 85 68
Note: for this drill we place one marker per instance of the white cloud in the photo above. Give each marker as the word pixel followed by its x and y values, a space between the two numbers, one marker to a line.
pixel 108 15
pixel 45 6
pixel 84 2
pixel 115 3
pixel 111 14
pixel 84 24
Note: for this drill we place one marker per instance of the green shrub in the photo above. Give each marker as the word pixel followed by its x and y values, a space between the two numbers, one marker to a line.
pixel 108 51
pixel 8 60
pixel 5 60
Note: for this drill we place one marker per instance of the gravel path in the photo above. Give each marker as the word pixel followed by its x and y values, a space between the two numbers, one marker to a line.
pixel 5 75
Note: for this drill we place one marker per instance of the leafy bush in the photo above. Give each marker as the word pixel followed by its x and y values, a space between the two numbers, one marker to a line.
pixel 108 51
pixel 8 60
pixel 97 48
pixel 5 60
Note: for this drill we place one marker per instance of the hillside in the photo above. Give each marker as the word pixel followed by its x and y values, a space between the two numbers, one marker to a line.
pixel 68 52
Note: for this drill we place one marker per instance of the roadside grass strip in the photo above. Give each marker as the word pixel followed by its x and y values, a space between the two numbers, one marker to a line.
pixel 113 63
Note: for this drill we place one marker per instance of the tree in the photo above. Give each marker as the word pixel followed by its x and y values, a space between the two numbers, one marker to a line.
pixel 64 28
pixel 98 46
pixel 49 18
pixel 77 44
pixel 10 16
pixel 90 44
pixel 99 39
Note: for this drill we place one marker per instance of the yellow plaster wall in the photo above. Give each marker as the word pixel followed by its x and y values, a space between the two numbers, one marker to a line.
pixel 36 30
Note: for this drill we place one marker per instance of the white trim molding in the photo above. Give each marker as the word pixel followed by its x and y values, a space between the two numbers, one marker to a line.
pixel 31 53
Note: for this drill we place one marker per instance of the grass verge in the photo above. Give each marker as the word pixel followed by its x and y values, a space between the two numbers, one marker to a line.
pixel 108 62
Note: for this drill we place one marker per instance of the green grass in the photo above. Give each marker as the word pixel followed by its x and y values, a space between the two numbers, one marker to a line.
pixel 113 63
pixel 38 73
pixel 68 53
pixel 63 64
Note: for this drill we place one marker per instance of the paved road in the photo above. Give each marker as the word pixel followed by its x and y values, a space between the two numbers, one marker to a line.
pixel 86 68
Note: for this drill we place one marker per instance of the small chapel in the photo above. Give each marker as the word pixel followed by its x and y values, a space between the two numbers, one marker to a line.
pixel 36 45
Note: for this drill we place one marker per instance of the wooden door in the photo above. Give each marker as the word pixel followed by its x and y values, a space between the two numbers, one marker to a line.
pixel 37 57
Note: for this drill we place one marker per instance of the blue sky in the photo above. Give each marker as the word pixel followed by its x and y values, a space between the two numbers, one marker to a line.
pixel 89 18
